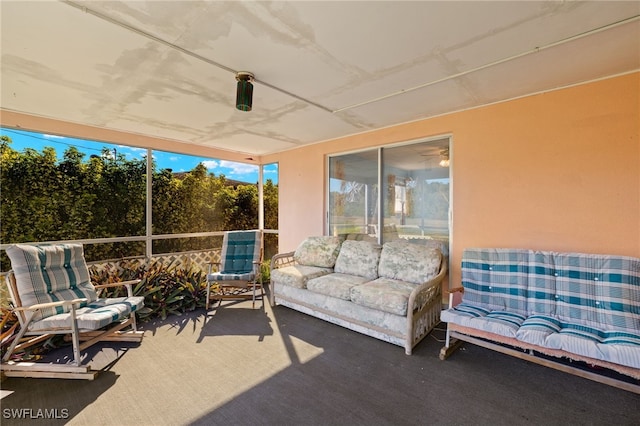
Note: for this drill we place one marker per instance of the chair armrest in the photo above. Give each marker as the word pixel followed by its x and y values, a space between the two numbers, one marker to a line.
pixel 281 260
pixel 119 284
pixel 128 284
pixel 50 304
pixel 210 268
pixel 455 296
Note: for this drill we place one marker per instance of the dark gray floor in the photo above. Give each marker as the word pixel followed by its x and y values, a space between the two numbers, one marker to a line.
pixel 280 367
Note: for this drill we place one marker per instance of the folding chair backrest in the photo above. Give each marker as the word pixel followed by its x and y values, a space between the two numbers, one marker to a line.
pixel 50 273
pixel 239 250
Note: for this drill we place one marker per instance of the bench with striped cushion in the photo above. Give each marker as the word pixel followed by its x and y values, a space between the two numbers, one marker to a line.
pixel 583 304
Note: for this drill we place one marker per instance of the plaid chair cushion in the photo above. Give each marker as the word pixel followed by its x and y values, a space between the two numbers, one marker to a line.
pixel 96 315
pixel 239 250
pixel 50 273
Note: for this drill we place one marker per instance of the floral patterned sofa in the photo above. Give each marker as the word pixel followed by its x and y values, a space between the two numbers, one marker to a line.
pixel 391 292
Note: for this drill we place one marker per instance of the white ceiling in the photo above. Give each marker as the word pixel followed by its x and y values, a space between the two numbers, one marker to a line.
pixel 323 69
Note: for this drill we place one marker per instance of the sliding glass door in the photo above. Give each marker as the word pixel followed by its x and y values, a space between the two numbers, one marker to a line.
pixel 353 193
pixel 406 188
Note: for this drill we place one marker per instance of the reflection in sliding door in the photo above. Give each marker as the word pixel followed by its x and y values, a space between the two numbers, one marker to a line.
pixel 412 203
pixel 416 205
pixel 353 193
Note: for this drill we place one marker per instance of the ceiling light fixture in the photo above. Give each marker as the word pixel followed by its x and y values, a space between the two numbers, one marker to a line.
pixel 444 158
pixel 244 94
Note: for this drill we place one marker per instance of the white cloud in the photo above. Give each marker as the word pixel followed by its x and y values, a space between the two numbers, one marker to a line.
pixel 44 135
pixel 210 164
pixel 238 169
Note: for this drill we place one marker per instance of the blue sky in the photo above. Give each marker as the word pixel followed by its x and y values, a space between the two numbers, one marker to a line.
pixel 164 160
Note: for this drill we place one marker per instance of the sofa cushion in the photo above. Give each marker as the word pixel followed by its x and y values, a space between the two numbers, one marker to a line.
pixel 50 273
pixel 358 258
pixel 404 261
pixel 318 251
pixel 297 275
pixel 384 294
pixel 359 237
pixel 335 285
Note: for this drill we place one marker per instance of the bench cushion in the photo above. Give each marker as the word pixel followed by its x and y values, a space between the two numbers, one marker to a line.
pixel 599 291
pixel 496 279
pixel 502 322
pixel 50 273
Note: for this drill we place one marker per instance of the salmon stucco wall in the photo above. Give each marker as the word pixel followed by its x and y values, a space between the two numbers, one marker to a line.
pixel 557 171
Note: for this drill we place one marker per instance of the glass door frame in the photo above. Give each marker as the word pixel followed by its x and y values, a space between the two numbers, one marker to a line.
pixel 382 185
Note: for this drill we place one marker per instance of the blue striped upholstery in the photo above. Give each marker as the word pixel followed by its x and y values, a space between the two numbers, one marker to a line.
pixel 585 304
pixel 96 315
pixel 496 278
pixel 598 290
pixel 240 249
pixel 50 273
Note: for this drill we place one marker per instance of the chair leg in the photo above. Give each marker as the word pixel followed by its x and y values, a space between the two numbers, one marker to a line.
pixel 75 337
pixel 16 340
pixel 253 300
pixel 206 301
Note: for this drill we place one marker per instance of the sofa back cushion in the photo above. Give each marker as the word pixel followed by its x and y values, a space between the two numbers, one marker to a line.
pixel 50 273
pixel 358 258
pixel 405 261
pixel 319 251
pixel 496 279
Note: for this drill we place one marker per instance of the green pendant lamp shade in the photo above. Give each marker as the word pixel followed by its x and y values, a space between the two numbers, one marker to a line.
pixel 244 94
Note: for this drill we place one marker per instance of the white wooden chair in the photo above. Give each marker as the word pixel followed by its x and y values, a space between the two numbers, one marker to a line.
pixel 51 292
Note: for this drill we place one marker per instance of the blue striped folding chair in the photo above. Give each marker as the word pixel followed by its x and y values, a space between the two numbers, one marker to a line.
pixel 51 293
pixel 237 276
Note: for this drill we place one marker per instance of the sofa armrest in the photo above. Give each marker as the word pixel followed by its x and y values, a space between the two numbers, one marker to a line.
pixel 425 292
pixel 281 260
